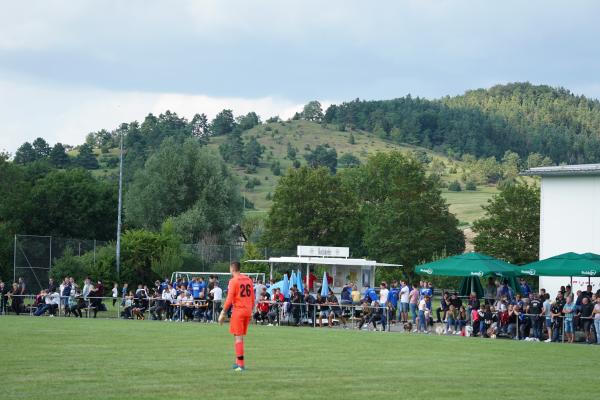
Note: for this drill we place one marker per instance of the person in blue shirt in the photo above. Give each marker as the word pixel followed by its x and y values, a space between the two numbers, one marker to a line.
pixel 346 295
pixel 164 284
pixel 427 291
pixel 393 298
pixel 519 301
pixel 524 287
pixel 196 288
pixel 370 294
pixel 203 284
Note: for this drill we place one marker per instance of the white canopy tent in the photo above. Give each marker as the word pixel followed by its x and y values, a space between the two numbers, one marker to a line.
pixel 342 269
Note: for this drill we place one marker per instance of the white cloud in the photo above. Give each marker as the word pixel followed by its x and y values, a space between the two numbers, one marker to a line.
pixel 66 115
pixel 37 25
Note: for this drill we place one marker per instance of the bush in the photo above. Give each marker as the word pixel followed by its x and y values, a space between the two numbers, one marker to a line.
pixel 169 261
pixel 470 185
pixel 276 168
pixel 454 186
pixel 102 265
pixel 248 205
pixel 98 265
pixel 68 265
pixel 421 156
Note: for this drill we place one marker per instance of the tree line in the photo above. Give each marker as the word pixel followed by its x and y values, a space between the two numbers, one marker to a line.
pixel 519 117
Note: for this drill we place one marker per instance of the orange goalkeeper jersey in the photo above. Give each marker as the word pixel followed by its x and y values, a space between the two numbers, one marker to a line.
pixel 240 294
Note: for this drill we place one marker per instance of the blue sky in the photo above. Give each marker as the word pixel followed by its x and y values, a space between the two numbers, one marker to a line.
pixel 71 67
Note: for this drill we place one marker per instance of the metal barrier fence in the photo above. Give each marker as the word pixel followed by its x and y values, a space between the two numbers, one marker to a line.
pixel 111 307
pixel 341 315
pixel 349 316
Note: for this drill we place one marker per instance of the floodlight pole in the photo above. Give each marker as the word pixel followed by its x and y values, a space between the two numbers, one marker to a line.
pixel 118 255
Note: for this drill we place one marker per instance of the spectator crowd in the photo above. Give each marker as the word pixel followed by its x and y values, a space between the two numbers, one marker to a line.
pixel 500 313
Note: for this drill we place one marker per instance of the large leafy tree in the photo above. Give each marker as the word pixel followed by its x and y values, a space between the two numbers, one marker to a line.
pixel 223 123
pixel 25 154
pixel 510 229
pixel 323 156
pixel 145 254
pixel 59 157
pixel 189 183
pixel 200 127
pixel 14 208
pixel 86 158
pixel 232 149
pixel 41 148
pixel 403 215
pixel 248 121
pixel 312 111
pixel 253 151
pixel 72 203
pixel 312 207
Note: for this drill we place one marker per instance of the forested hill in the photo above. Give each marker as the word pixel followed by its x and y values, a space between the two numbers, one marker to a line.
pixel 520 117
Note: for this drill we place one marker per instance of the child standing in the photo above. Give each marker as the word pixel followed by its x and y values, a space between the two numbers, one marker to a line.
pixel 115 293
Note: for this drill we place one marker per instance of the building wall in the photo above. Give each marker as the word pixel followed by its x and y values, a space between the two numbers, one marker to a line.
pixel 569 221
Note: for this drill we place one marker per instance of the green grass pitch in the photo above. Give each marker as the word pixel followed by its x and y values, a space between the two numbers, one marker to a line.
pixel 62 358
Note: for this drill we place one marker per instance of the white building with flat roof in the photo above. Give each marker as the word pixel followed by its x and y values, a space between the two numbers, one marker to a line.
pixel 569 217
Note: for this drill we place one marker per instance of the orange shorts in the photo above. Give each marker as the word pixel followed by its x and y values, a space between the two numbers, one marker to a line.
pixel 238 325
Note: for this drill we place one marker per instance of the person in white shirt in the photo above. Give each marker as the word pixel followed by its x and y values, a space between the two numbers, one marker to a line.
pixel 115 293
pixel 423 314
pixel 51 303
pixel 258 289
pixel 404 300
pixel 55 299
pixel 216 293
pixel 185 309
pixel 87 287
pixel 383 294
pixel 169 295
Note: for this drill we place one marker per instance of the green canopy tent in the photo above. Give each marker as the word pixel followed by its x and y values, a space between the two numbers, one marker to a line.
pixel 472 266
pixel 566 264
pixel 471 284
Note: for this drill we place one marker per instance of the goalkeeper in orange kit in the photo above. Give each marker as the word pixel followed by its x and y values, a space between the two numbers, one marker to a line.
pixel 240 295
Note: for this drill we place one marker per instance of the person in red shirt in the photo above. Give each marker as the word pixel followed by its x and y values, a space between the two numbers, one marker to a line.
pixel 240 295
pixel 262 309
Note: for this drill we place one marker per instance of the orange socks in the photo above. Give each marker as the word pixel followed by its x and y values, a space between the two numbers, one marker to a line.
pixel 239 353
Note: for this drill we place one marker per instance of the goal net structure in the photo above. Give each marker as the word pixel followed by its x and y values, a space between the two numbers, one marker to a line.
pixel 223 277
